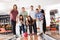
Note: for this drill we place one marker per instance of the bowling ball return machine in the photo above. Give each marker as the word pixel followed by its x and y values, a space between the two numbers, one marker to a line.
pixel 5 24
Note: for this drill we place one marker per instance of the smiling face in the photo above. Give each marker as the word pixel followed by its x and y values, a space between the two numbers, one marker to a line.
pixel 31 7
pixel 39 7
pixel 28 18
pixel 23 9
pixel 15 7
pixel 37 10
pixel 20 17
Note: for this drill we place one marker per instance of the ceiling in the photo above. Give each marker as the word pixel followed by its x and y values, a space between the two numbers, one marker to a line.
pixel 7 4
pixel 42 2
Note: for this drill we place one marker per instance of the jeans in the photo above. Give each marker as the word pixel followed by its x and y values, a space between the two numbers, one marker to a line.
pixel 22 29
pixel 13 24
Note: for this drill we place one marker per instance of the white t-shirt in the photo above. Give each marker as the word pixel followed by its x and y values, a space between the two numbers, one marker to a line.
pixel 32 14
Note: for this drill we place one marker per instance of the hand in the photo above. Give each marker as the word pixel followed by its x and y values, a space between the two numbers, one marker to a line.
pixel 21 21
pixel 41 19
pixel 36 18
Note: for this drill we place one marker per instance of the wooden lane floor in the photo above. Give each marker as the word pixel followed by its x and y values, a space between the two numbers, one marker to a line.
pixel 54 35
pixel 5 37
pixel 33 37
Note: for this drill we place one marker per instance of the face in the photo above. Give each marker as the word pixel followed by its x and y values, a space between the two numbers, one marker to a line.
pixel 15 7
pixel 23 9
pixel 37 11
pixel 39 7
pixel 28 18
pixel 20 17
pixel 31 8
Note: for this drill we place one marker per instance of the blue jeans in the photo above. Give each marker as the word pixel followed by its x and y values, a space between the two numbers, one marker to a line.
pixel 22 29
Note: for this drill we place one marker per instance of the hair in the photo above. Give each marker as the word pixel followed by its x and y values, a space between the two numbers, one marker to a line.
pixel 23 7
pixel 22 17
pixel 42 11
pixel 15 5
pixel 37 9
pixel 31 20
pixel 31 5
pixel 30 17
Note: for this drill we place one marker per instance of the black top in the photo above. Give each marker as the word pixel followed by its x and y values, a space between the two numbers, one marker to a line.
pixel 44 20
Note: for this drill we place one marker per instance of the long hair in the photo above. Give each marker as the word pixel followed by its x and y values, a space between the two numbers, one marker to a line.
pixel 20 18
pixel 31 20
pixel 42 11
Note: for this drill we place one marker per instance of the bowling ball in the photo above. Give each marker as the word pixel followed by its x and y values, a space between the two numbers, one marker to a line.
pixel 25 34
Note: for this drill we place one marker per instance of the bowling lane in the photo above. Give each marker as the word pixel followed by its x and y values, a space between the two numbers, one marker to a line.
pixel 54 35
pixel 5 37
pixel 33 37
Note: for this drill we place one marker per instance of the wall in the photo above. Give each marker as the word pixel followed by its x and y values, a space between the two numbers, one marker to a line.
pixel 9 3
pixel 47 11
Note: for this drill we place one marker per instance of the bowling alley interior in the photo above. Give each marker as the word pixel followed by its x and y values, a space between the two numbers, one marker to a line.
pixel 29 19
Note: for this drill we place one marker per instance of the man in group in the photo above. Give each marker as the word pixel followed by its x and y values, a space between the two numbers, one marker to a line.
pixel 44 19
pixel 24 13
pixel 39 20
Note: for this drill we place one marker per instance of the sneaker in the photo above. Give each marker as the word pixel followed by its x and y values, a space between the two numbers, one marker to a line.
pixel 41 35
pixel 20 36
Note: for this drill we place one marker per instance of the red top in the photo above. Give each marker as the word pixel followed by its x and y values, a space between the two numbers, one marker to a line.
pixel 13 15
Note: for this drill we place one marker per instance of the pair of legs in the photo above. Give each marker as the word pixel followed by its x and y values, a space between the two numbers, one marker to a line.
pixel 13 24
pixel 44 27
pixel 19 29
pixel 40 25
pixel 22 29
pixel 33 26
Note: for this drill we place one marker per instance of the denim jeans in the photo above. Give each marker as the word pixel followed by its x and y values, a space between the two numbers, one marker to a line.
pixel 13 24
pixel 22 29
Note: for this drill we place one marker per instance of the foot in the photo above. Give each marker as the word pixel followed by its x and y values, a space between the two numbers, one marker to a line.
pixel 41 35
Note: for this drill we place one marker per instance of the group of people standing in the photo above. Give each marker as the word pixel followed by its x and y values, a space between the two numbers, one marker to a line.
pixel 21 21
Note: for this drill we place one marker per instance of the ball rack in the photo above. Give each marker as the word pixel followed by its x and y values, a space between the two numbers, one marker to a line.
pixel 5 23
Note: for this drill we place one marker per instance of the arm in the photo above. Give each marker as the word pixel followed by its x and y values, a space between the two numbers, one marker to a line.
pixel 17 17
pixel 36 17
pixel 26 21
